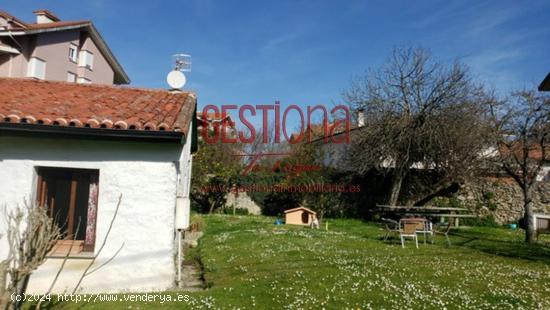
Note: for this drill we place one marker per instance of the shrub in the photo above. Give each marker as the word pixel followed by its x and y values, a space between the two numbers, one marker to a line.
pixel 238 211
pixel 487 221
pixel 488 200
pixel 447 202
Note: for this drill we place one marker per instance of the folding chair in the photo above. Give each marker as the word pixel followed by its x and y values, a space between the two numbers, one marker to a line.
pixel 425 227
pixel 391 226
pixel 445 231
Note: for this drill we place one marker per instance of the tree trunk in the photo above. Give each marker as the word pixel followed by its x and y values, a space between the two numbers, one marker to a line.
pixel 4 295
pixel 21 288
pixel 530 233
pixel 443 188
pixel 397 181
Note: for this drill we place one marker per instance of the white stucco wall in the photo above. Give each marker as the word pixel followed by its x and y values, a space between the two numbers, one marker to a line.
pixel 146 176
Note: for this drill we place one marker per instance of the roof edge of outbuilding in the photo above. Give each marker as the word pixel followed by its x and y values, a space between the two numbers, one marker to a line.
pixel 302 208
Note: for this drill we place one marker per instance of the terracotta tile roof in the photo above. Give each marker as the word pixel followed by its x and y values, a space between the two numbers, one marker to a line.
pixel 34 26
pixel 214 118
pixel 95 106
pixel 534 151
pixel 10 17
pixel 318 130
pixel 54 25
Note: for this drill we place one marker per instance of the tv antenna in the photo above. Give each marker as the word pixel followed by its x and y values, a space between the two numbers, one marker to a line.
pixel 182 63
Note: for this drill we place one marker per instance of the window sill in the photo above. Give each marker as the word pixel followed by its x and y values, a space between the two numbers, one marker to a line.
pixel 82 255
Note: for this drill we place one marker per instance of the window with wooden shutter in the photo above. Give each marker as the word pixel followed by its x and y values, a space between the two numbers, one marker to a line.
pixel 70 195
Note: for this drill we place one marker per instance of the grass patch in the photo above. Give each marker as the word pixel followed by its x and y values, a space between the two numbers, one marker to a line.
pixel 251 263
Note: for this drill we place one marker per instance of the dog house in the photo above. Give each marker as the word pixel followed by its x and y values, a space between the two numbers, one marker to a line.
pixel 299 216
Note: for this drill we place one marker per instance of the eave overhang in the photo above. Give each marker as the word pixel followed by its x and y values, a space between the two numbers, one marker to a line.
pixel 92 133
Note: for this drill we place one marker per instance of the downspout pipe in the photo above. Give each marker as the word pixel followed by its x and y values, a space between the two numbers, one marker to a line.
pixel 183 203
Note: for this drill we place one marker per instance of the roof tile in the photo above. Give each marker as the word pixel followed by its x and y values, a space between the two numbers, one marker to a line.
pixel 96 106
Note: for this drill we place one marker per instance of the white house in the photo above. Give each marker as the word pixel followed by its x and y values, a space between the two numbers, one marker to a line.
pixel 75 149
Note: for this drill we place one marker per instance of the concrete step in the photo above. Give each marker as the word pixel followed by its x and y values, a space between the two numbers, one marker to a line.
pixel 191 283
pixel 194 275
pixel 190 268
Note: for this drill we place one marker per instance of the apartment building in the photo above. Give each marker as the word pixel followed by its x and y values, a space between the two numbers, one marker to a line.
pixel 52 49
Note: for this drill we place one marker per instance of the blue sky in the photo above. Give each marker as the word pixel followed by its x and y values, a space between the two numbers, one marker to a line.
pixel 306 52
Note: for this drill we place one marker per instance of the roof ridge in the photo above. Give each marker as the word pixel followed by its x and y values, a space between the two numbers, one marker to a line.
pixel 120 87
pixel 82 21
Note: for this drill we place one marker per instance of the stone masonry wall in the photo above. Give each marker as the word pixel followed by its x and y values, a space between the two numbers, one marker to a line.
pixel 243 201
pixel 502 198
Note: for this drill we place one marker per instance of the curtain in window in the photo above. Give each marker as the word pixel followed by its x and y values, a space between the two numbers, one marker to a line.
pixel 92 214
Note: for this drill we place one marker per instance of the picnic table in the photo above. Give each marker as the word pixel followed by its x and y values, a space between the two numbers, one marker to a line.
pixel 443 213
pixel 428 211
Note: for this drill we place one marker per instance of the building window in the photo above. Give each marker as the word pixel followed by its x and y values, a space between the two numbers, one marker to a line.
pixel 71 77
pixel 86 59
pixel 70 196
pixel 73 52
pixel 83 80
pixel 37 68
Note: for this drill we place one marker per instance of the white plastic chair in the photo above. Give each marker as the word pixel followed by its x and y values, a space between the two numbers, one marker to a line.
pixel 425 227
pixel 407 229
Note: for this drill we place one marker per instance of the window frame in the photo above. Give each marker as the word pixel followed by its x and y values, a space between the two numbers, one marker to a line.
pixel 85 61
pixel 32 68
pixel 83 80
pixel 90 177
pixel 73 47
pixel 69 73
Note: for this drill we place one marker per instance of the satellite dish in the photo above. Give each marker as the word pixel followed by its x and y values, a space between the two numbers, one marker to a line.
pixel 176 79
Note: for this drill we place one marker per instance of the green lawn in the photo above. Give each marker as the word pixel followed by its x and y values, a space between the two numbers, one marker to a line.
pixel 251 263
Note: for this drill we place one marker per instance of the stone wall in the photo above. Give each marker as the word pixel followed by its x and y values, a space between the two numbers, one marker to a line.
pixel 502 198
pixel 243 201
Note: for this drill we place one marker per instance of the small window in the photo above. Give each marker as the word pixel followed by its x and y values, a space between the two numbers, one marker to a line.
pixel 86 59
pixel 70 196
pixel 37 68
pixel 83 80
pixel 71 77
pixel 73 50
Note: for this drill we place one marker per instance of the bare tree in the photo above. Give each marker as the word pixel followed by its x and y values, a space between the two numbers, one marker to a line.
pixel 65 259
pixel 31 234
pixel 522 128
pixel 87 271
pixel 419 114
